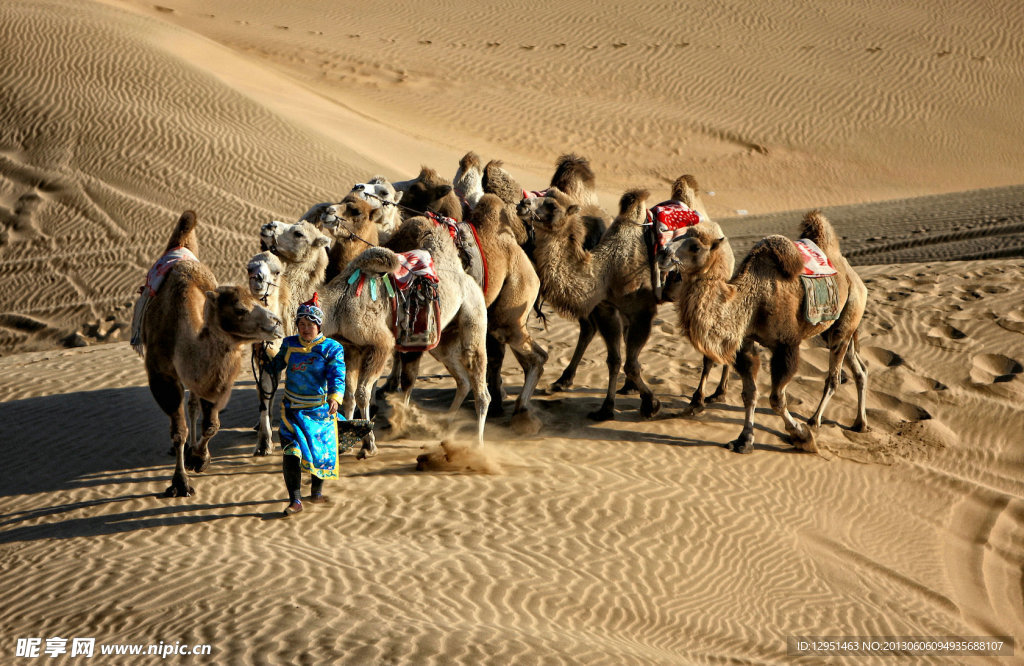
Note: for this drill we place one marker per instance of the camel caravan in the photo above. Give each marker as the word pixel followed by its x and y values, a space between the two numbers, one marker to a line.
pixel 457 268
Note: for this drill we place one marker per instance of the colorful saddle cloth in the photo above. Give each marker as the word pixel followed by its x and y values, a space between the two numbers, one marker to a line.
pixel 416 322
pixel 670 219
pixel 155 278
pixel 821 289
pixel 468 244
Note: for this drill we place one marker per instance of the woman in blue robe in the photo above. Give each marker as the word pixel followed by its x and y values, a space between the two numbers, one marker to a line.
pixel 314 387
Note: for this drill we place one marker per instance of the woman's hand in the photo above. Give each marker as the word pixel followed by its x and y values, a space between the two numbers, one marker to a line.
pixel 332 406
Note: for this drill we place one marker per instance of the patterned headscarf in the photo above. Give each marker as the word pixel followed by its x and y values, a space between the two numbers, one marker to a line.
pixel 311 310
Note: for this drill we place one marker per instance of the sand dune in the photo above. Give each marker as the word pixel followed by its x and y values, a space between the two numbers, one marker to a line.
pixel 627 541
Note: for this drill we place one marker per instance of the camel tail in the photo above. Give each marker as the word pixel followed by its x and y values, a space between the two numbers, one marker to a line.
pixel 571 171
pixel 184 234
pixel 816 227
pixel 685 189
pixel 497 181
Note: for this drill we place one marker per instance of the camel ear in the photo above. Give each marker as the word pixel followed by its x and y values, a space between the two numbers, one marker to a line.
pixel 398 195
pixel 442 190
pixel 572 209
pixel 715 243
pixel 376 214
pixel 321 241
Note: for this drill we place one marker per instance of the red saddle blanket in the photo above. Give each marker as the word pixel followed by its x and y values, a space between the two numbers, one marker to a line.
pixel 670 219
pixel 416 321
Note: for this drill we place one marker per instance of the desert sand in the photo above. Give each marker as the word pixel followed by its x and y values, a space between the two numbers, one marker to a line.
pixel 628 541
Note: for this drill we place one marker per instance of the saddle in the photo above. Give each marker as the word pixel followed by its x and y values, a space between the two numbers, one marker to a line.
pixel 154 278
pixel 467 242
pixel 665 221
pixel 416 320
pixel 821 289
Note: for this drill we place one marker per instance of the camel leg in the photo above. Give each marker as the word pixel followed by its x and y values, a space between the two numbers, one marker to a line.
pixel 785 359
pixel 531 357
pixel 748 362
pixel 696 405
pixel 353 365
pixel 629 386
pixel 474 360
pixel 372 363
pixel 860 375
pixel 588 328
pixel 495 358
pixel 265 386
pixel 409 365
pixel 837 352
pixel 723 386
pixel 394 382
pixel 169 396
pixel 610 327
pixel 197 458
pixel 637 332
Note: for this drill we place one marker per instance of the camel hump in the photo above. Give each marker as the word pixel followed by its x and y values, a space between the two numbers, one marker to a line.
pixel 499 182
pixel 816 227
pixel 378 260
pixel 632 205
pixel 571 171
pixel 468 161
pixel 184 234
pixel 486 216
pixel 777 251
pixel 685 189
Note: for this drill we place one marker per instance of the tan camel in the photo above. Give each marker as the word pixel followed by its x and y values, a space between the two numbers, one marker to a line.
pixel 572 174
pixel 380 194
pixel 267 284
pixel 363 324
pixel 193 334
pixel 356 224
pixel 764 304
pixel 685 190
pixel 611 281
pixel 511 287
pixel 302 249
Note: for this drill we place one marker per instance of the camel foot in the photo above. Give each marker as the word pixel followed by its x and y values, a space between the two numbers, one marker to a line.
pixel 179 488
pixel 496 409
pixel 649 407
pixel 802 438
pixel 525 423
pixel 717 396
pixel 742 444
pixel 562 384
pixel 694 408
pixel 194 463
pixel 262 449
pixel 369 448
pixel 606 413
pixel 629 388
pixel 860 426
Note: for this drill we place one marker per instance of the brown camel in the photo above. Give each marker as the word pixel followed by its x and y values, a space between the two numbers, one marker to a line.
pixel 573 177
pixel 764 304
pixel 610 282
pixel 510 287
pixel 363 324
pixel 685 190
pixel 193 334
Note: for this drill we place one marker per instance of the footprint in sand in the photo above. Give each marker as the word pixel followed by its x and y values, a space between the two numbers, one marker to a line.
pixel 944 332
pixel 994 369
pixel 884 357
pixel 906 410
pixel 1011 321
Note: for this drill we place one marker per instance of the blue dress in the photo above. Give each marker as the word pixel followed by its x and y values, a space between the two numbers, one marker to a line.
pixel 314 373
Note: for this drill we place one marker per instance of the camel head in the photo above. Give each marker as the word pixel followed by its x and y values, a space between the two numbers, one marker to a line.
pixel 265 275
pixel 269 233
pixel 297 241
pixel 237 313
pixel 427 192
pixel 377 191
pixel 633 206
pixel 692 252
pixel 549 213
